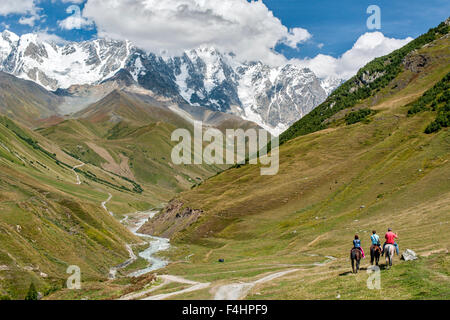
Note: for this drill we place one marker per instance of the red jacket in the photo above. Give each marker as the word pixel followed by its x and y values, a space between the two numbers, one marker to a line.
pixel 390 237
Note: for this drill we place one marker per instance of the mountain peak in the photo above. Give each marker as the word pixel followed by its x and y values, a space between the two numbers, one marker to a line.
pixel 123 77
pixel 273 97
pixel 8 35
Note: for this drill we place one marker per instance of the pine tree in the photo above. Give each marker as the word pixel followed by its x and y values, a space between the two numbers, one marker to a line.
pixel 32 293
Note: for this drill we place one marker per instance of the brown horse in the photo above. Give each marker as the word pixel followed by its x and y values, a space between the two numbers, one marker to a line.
pixel 355 256
pixel 375 254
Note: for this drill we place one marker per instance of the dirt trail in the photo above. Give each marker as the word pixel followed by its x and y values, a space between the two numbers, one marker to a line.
pixel 133 258
pixel 237 291
pixel 406 99
pixel 169 278
pixel 76 174
pixel 139 295
pixel 105 202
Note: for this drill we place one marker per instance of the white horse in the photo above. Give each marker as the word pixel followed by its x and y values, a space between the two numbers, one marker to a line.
pixel 389 251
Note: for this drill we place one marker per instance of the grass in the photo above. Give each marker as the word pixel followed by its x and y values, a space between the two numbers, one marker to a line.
pixel 427 278
pixel 352 177
pixel 48 222
pixel 142 137
pixel 373 78
pixel 332 184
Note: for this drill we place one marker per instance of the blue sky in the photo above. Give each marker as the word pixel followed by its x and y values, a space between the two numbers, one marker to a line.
pixel 52 12
pixel 334 24
pixel 337 24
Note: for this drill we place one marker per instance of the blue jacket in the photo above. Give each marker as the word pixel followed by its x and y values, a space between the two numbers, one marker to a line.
pixel 375 239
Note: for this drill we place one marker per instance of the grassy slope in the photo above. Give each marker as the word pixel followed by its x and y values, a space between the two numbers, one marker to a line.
pixel 25 100
pixel 48 222
pixel 141 134
pixel 39 191
pixel 332 184
pixel 365 86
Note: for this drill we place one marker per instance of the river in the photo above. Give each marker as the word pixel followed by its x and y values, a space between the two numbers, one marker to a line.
pixel 156 244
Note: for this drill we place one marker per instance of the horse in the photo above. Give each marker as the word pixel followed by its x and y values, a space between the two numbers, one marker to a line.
pixel 375 254
pixel 389 251
pixel 355 255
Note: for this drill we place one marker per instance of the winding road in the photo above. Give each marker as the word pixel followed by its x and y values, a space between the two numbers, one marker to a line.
pixel 169 278
pixel 105 202
pixel 76 174
pixel 237 291
pixel 133 258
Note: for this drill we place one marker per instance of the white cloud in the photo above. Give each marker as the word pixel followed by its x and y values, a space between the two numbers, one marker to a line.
pixel 296 36
pixel 369 46
pixel 43 35
pixel 76 20
pixel 69 1
pixel 16 7
pixel 30 21
pixel 249 29
pixel 26 7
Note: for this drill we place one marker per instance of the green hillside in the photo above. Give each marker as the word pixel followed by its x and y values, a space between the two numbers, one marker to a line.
pixel 26 101
pixel 358 162
pixel 49 222
pixel 55 180
pixel 130 138
pixel 376 79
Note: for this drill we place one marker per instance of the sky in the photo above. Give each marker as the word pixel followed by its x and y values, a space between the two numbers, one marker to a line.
pixel 331 37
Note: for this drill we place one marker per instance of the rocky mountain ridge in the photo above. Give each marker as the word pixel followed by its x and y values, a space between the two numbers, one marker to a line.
pixel 273 97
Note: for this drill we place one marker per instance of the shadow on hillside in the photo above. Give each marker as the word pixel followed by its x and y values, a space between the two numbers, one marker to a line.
pixel 381 266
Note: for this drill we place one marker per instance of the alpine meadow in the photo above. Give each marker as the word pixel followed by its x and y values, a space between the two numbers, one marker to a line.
pixel 192 150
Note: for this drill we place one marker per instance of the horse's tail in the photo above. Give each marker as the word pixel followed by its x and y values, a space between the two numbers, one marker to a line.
pixel 391 250
pixel 389 253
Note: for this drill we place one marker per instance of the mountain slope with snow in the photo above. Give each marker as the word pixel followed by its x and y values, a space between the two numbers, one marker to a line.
pixel 273 97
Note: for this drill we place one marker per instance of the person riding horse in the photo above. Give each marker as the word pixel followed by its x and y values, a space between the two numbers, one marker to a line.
pixel 356 254
pixel 357 245
pixel 390 239
pixel 375 239
pixel 375 248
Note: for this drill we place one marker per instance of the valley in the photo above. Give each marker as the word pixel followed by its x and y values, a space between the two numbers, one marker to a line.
pixel 95 187
pixel 340 181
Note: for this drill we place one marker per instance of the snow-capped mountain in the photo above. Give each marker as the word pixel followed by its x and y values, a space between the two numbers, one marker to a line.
pixel 330 84
pixel 277 97
pixel 273 97
pixel 54 66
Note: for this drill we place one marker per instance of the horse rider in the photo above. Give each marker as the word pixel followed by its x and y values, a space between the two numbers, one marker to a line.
pixel 375 240
pixel 390 239
pixel 357 245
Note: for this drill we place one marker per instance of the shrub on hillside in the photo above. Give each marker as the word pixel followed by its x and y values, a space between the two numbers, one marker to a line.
pixel 438 94
pixel 357 116
pixel 32 293
pixel 442 120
